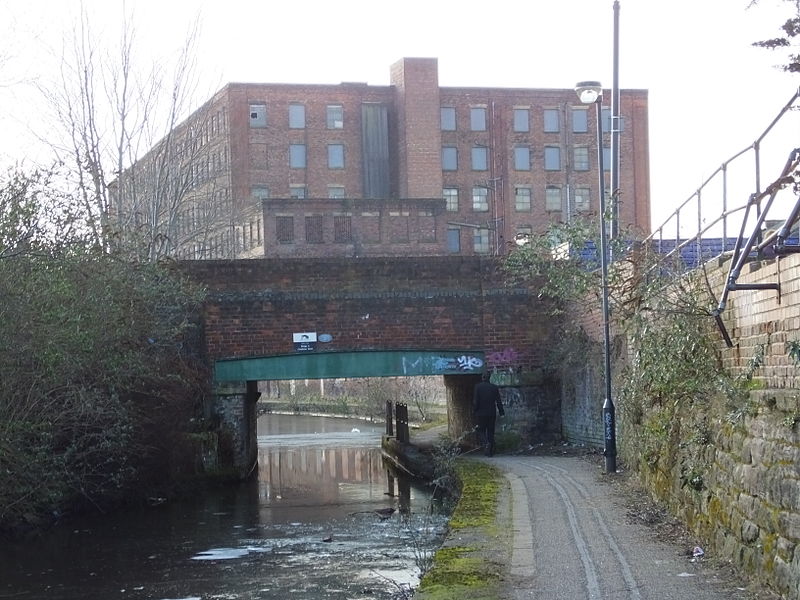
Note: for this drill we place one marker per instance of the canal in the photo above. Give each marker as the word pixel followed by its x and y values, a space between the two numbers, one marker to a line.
pixel 324 520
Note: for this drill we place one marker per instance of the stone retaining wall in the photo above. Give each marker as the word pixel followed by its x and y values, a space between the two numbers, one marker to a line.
pixel 733 474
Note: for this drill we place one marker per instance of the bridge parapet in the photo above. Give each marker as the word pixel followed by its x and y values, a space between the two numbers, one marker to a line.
pixel 255 307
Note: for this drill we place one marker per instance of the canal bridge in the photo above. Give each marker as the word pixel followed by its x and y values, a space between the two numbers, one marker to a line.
pixel 268 319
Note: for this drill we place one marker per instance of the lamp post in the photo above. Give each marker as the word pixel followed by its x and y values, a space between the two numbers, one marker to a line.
pixel 591 92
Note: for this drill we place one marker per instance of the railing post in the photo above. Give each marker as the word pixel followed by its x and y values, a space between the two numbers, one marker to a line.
pixel 401 410
pixel 724 207
pixel 389 418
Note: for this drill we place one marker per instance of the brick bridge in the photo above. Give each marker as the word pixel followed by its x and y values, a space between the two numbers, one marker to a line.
pixel 453 316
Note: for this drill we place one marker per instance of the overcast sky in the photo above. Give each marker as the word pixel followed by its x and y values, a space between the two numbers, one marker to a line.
pixel 711 93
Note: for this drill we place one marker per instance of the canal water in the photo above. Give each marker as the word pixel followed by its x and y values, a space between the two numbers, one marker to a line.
pixel 317 524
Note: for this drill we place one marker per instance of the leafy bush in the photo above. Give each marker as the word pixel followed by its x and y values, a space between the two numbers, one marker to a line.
pixel 97 378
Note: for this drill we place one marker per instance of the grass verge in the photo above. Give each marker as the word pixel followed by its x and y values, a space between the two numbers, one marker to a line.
pixel 471 561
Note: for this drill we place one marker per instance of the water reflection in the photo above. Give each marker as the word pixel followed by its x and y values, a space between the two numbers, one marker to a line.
pixel 312 526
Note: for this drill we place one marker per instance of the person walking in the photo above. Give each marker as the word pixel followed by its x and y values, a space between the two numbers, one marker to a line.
pixel 486 405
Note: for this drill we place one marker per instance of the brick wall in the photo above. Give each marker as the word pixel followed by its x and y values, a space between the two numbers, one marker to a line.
pixel 355 228
pixel 373 303
pixel 416 81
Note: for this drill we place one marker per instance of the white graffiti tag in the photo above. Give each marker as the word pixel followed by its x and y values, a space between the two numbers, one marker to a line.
pixel 469 363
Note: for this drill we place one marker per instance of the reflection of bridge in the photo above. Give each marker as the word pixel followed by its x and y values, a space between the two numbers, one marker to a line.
pixel 287 473
pixel 297 475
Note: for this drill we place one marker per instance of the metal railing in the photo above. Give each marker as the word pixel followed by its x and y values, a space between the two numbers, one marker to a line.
pixel 758 238
pixel 699 229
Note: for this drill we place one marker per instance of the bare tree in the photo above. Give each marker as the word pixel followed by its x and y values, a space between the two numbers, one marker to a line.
pixel 141 168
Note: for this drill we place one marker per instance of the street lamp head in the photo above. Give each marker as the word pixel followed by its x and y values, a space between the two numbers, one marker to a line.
pixel 589 91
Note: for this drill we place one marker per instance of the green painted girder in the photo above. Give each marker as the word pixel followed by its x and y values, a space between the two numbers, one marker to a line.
pixel 366 363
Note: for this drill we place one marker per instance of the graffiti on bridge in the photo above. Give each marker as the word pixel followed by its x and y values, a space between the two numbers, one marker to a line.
pixel 463 363
pixel 506 358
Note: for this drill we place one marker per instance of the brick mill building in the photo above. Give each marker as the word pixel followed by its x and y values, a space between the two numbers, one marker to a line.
pixel 411 168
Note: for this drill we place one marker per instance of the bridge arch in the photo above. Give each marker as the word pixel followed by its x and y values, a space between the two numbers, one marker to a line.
pixel 236 383
pixel 381 316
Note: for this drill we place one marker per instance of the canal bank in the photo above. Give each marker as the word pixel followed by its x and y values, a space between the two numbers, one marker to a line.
pixel 550 524
pixel 474 553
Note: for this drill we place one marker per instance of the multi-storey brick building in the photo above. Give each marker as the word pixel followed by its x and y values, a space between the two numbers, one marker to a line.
pixel 405 169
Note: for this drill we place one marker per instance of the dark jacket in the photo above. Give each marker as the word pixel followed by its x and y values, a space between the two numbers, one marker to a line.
pixel 486 400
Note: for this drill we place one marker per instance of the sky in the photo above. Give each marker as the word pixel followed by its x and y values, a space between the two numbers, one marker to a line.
pixel 711 93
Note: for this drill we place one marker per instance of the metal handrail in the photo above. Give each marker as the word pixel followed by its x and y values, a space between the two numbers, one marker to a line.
pixel 744 243
pixel 657 238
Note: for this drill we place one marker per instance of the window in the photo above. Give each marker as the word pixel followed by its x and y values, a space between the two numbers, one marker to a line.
pixel 580 158
pixel 426 226
pixel 552 198
pixel 480 241
pixel 342 232
pixel 480 158
pixel 477 119
pixel 450 195
pixel 580 120
pixel 606 158
pixel 259 192
pixel 551 120
pixel 454 240
pixel 297 191
pixel 284 230
pixel 480 199
pixel 605 119
pixel 521 119
pixel 523 235
pixel 449 158
pixel 399 226
pixel 582 199
pixel 552 158
pixel 297 116
pixel 448 118
pixel 297 156
pixel 335 191
pixel 370 227
pixel 336 156
pixel 314 229
pixel 258 115
pixel 522 158
pixel 522 199
pixel 334 115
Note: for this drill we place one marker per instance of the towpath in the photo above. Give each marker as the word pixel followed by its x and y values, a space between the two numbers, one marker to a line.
pixel 576 536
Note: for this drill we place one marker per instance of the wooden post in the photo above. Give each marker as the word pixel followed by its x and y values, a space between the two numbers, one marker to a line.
pixel 389 418
pixel 402 422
